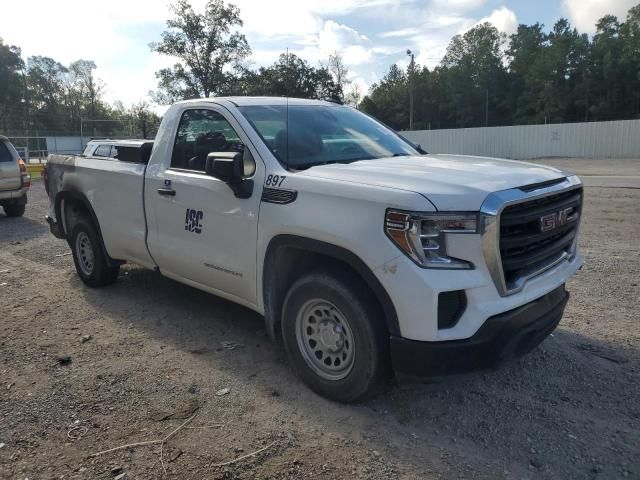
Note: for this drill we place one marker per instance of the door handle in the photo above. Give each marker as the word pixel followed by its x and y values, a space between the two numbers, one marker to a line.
pixel 170 192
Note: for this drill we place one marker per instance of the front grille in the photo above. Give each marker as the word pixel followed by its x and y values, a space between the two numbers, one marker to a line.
pixel 536 233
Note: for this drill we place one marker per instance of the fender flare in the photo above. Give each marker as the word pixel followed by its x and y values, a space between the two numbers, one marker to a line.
pixel 273 301
pixel 61 219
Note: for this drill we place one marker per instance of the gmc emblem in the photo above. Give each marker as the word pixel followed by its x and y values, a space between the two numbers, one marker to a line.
pixel 557 219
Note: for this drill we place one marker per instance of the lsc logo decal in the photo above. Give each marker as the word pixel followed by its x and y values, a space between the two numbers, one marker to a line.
pixel 192 220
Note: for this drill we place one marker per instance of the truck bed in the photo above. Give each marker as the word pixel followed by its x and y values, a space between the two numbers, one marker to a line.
pixel 113 188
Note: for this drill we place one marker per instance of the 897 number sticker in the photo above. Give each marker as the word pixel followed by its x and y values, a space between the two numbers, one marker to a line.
pixel 275 180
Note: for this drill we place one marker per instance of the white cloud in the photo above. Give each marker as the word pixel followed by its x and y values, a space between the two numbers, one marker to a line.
pixel 403 32
pixel 353 46
pixel 133 86
pixel 335 36
pixel 274 20
pixel 458 5
pixel 431 45
pixel 287 18
pixel 357 55
pixel 585 13
pixel 503 19
pixel 370 34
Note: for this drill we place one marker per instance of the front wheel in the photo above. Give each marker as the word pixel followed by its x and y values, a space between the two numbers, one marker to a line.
pixel 335 337
pixel 90 261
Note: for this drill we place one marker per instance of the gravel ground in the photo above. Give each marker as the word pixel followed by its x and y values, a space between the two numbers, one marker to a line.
pixel 147 351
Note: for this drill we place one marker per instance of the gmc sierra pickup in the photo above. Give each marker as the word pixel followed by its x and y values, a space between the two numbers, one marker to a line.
pixel 365 254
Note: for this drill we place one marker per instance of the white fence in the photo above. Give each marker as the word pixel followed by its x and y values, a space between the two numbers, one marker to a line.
pixel 619 139
pixel 67 145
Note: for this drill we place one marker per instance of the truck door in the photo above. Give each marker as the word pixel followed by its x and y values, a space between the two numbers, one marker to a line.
pixel 199 231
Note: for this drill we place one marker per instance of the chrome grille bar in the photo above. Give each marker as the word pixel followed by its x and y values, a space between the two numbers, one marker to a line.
pixel 533 196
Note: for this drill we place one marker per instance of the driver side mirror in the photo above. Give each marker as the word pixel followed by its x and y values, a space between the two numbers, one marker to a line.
pixel 230 168
pixel 225 166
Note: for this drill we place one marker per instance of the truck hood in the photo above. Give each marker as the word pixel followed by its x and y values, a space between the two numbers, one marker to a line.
pixel 450 182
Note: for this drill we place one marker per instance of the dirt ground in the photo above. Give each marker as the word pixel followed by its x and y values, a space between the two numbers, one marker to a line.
pixel 147 351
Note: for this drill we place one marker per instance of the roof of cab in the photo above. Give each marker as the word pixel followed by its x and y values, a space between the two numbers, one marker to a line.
pixel 246 101
pixel 132 142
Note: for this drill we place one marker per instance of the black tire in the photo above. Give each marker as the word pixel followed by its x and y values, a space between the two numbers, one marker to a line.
pixel 84 239
pixel 370 366
pixel 14 210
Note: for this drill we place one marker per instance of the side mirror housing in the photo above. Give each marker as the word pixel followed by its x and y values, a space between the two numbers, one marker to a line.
pixel 225 166
pixel 230 168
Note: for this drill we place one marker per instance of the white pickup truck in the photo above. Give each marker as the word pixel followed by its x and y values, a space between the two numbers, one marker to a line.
pixel 364 253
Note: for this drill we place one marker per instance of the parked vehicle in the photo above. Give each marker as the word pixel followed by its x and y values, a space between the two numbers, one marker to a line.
pixel 14 180
pixel 363 254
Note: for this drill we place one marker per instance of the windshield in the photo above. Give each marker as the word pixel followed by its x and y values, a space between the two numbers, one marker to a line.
pixel 321 134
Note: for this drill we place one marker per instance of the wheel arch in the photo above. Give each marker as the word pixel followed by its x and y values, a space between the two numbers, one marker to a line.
pixel 78 201
pixel 287 257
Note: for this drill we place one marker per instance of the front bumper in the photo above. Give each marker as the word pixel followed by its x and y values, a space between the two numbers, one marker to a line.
pixel 502 337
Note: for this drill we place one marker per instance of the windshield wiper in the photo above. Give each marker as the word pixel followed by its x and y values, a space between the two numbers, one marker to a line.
pixel 400 155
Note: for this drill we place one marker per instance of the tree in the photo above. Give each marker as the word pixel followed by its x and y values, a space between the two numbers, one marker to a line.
pixel 353 96
pixel 389 99
pixel 290 76
pixel 525 54
pixel 45 97
pixel 477 76
pixel 205 45
pixel 12 90
pixel 146 121
pixel 89 87
pixel 563 73
pixel 630 61
pixel 340 73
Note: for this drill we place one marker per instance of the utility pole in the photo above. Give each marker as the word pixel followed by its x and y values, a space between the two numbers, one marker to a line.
pixel 411 67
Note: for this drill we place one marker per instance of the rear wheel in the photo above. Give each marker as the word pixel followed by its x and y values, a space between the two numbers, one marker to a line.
pixel 14 210
pixel 90 261
pixel 335 337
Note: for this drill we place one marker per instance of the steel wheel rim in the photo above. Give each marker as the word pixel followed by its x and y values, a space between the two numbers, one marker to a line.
pixel 325 339
pixel 84 253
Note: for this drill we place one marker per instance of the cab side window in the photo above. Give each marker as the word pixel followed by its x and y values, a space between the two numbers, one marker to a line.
pixel 201 132
pixel 103 151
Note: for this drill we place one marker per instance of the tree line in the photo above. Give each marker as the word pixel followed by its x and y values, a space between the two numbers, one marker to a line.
pixel 485 78
pixel 530 77
pixel 44 97
pixel 214 61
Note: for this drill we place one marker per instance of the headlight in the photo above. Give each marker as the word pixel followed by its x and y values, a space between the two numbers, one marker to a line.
pixel 422 236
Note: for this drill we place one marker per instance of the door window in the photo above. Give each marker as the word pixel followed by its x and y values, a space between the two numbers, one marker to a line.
pixel 201 132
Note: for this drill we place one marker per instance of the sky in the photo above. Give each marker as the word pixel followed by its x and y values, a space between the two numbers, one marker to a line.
pixel 371 35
